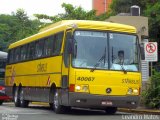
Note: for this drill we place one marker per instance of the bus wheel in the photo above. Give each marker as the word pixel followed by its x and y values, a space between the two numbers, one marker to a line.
pixel 111 110
pixel 56 105
pixel 1 102
pixel 23 103
pixel 16 97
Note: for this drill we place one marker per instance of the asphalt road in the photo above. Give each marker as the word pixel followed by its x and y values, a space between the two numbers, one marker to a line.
pixel 41 112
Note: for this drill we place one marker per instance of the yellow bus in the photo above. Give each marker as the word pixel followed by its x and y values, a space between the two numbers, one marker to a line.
pixel 76 63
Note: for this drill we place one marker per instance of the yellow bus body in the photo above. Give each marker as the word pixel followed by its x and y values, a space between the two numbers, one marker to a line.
pixel 26 74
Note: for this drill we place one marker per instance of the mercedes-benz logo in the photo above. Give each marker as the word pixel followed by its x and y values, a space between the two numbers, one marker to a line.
pixel 108 90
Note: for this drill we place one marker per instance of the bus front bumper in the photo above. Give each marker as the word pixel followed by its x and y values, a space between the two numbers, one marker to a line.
pixel 102 101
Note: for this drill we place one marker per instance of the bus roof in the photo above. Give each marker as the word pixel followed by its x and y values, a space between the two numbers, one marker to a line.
pixel 3 55
pixel 81 24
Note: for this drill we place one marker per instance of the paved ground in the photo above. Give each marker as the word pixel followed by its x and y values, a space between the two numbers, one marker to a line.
pixel 41 112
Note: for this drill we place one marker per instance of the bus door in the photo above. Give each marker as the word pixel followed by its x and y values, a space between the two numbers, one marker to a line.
pixel 65 68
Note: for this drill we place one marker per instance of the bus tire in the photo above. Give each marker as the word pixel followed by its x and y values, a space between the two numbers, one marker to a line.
pixel 111 110
pixel 23 103
pixel 16 97
pixel 1 102
pixel 59 109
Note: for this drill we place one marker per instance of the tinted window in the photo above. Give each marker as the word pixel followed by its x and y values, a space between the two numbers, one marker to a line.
pixel 31 51
pixel 2 63
pixel 45 47
pixel 91 49
pixel 23 52
pixel 17 55
pixel 39 48
pixel 48 46
pixel 57 43
pixel 123 52
pixel 10 56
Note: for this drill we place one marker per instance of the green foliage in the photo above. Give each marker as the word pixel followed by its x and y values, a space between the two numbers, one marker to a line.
pixel 153 13
pixel 18 25
pixel 25 26
pixel 120 6
pixel 7 24
pixel 73 13
pixel 152 94
pixel 15 27
pixel 123 6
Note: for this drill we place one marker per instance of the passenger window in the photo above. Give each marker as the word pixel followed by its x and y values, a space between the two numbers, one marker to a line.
pixel 48 46
pixel 57 44
pixel 39 48
pixel 31 51
pixel 10 56
pixel 23 53
pixel 17 54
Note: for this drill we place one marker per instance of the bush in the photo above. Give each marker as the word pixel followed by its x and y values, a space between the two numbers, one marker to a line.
pixel 152 94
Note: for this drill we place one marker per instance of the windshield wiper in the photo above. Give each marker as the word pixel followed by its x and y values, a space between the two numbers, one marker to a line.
pixel 98 62
pixel 124 70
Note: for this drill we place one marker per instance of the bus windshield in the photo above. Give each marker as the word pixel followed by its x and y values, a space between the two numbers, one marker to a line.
pixel 2 71
pixel 104 50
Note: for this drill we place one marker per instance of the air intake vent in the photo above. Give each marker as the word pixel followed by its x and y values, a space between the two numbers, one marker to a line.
pixel 135 10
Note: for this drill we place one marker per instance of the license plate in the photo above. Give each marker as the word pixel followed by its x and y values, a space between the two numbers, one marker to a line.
pixel 107 103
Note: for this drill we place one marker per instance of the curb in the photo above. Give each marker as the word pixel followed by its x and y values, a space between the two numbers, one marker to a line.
pixel 40 103
pixel 140 111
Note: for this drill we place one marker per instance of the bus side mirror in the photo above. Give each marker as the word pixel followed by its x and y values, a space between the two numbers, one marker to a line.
pixel 72 47
pixel 142 51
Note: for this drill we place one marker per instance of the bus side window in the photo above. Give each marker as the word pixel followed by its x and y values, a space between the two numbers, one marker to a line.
pixel 11 56
pixel 17 54
pixel 48 45
pixel 57 43
pixel 39 48
pixel 23 53
pixel 31 51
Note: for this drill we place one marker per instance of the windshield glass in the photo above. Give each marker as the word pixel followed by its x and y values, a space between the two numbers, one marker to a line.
pixel 2 70
pixel 102 50
pixel 123 52
pixel 2 63
pixel 91 47
pixel 2 78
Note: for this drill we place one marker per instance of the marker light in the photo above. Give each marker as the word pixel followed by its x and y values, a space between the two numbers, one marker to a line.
pixel 71 87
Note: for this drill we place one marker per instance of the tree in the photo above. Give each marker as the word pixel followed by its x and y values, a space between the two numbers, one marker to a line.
pixel 7 23
pixel 73 13
pixel 15 27
pixel 25 26
pixel 152 94
pixel 123 6
pixel 153 14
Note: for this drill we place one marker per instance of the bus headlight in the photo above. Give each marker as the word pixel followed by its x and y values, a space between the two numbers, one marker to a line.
pixel 78 88
pixel 85 88
pixel 130 91
pixel 135 91
pixel 81 88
